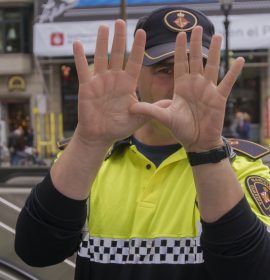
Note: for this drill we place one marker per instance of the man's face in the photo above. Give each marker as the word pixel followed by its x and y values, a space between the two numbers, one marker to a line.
pixel 156 82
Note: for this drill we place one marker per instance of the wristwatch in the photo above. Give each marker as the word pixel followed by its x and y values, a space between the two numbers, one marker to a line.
pixel 211 156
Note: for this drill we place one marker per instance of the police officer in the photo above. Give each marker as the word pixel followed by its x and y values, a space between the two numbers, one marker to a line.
pixel 171 201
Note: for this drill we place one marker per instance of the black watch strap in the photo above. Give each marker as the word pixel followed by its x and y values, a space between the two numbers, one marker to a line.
pixel 212 156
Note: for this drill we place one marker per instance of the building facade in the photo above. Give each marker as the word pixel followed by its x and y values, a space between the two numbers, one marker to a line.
pixel 19 81
pixel 57 26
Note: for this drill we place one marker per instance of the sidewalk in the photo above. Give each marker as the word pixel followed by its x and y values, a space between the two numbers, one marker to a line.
pixel 48 162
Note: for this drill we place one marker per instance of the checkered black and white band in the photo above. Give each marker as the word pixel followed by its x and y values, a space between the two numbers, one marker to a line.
pixel 142 251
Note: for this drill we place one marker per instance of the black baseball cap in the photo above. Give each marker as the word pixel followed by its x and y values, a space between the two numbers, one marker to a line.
pixel 162 27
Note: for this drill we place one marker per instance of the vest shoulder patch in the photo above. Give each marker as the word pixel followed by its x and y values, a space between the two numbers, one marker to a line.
pixel 248 148
pixel 259 189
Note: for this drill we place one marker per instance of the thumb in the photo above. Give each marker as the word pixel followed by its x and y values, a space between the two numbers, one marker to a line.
pixel 157 110
pixel 164 103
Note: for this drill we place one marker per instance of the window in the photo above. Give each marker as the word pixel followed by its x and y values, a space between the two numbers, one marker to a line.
pixel 14 30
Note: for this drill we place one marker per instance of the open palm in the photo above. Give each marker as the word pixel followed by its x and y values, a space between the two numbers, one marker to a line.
pixel 196 114
pixel 106 95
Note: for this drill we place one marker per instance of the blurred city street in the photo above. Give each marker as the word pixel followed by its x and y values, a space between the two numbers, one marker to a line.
pixel 39 90
pixel 13 194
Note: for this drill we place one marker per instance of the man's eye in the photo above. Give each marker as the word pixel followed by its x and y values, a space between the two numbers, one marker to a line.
pixel 165 70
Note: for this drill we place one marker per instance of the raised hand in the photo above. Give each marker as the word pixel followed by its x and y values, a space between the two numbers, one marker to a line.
pixel 106 95
pixel 196 113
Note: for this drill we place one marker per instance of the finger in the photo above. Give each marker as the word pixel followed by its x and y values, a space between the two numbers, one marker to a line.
pixel 150 110
pixel 211 71
pixel 81 62
pixel 195 56
pixel 135 59
pixel 180 58
pixel 230 78
pixel 101 52
pixel 119 45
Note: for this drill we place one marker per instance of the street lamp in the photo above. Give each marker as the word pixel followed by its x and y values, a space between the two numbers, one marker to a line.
pixel 123 8
pixel 226 6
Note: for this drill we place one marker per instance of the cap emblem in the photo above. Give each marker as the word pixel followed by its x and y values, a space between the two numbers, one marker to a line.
pixel 180 20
